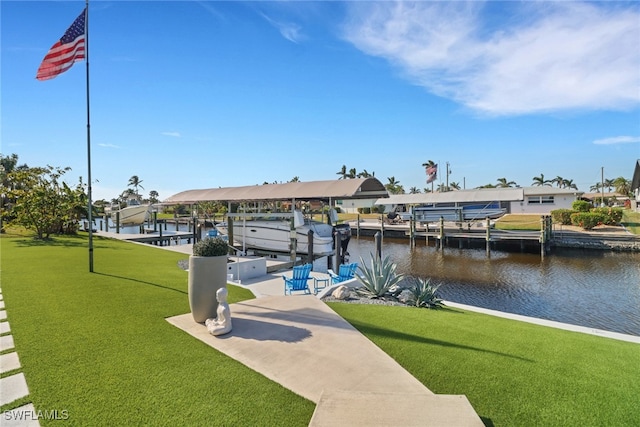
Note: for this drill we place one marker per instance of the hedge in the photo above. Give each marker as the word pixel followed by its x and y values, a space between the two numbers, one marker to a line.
pixel 587 220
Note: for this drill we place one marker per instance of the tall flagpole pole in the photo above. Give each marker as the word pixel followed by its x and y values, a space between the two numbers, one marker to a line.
pixel 89 208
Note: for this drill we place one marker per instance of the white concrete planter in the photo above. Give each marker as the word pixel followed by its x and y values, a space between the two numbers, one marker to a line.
pixel 206 276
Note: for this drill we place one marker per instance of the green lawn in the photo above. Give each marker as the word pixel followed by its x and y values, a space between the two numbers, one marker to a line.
pixel 631 221
pixel 518 222
pixel 97 346
pixel 513 373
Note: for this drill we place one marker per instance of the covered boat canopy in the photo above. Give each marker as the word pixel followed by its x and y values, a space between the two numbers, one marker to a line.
pixel 357 188
pixel 475 195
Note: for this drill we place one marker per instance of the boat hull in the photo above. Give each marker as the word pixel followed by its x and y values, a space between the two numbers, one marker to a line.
pixel 132 215
pixel 273 235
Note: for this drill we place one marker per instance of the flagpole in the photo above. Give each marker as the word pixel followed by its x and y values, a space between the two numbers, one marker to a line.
pixel 90 208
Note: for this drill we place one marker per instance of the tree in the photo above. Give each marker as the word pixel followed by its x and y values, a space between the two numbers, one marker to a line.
pixel 568 183
pixel 596 187
pixel 608 184
pixel 559 181
pixel 153 196
pixel 135 182
pixel 487 186
pixel 352 173
pixel 365 174
pixel 414 190
pixel 342 172
pixel 622 186
pixel 394 186
pixel 454 185
pixel 539 181
pixel 503 183
pixel 295 179
pixel 44 203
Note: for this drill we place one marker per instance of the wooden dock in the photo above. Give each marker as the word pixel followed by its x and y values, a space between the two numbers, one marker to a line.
pixel 462 235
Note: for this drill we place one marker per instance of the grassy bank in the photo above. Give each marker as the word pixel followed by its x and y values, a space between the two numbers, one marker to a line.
pixel 97 345
pixel 513 373
pixel 631 221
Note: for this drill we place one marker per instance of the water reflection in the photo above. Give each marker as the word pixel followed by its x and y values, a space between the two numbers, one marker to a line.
pixel 598 289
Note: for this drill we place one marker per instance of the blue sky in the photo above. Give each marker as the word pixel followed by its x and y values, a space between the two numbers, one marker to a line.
pixel 202 94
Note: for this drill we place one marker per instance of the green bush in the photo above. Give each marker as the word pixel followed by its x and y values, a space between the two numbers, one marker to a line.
pixel 587 220
pixel 210 247
pixel 366 210
pixel 581 206
pixel 612 216
pixel 562 216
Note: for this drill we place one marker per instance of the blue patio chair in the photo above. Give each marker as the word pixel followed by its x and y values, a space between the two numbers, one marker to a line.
pixel 345 272
pixel 299 279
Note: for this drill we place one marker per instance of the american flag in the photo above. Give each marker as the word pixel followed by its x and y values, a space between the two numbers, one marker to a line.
pixel 66 51
pixel 432 173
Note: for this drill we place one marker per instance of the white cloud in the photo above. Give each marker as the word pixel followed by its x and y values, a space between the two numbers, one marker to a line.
pixel 108 145
pixel 173 134
pixel 289 30
pixel 617 140
pixel 543 56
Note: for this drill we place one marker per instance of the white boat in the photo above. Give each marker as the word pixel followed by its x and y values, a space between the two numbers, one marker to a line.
pixel 275 234
pixel 134 213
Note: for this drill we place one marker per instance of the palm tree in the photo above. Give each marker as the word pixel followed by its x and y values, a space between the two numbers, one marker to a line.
pixel 414 190
pixel 608 184
pixel 352 173
pixel 596 187
pixel 295 179
pixel 135 182
pixel 454 185
pixel 342 172
pixel 559 181
pixel 622 185
pixel 365 174
pixel 503 183
pixel 487 186
pixel 394 186
pixel 568 183
pixel 539 181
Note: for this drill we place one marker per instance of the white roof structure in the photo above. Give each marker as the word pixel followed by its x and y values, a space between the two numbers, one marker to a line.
pixel 475 195
pixel 357 188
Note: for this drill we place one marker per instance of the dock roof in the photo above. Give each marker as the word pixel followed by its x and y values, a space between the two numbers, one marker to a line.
pixel 357 188
pixel 475 195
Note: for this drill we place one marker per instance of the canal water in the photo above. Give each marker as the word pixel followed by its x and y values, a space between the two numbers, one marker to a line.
pixel 591 288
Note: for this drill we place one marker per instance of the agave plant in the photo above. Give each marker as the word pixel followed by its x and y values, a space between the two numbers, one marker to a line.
pixel 378 278
pixel 423 294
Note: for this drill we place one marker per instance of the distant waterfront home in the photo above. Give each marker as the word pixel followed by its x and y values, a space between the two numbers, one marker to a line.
pixel 521 200
pixel 635 187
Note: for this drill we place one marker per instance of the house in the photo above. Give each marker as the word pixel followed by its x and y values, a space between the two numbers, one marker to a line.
pixel 521 200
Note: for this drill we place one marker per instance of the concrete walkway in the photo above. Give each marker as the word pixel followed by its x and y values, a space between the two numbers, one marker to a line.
pixel 14 385
pixel 299 342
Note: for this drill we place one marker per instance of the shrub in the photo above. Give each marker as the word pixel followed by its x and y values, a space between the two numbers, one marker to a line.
pixel 378 278
pixel 587 220
pixel 210 247
pixel 366 210
pixel 562 216
pixel 423 294
pixel 612 216
pixel 581 206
